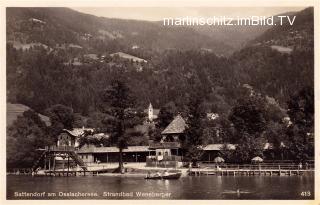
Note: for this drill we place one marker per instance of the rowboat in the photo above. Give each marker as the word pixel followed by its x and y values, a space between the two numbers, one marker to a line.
pixel 172 176
pixel 153 177
pixel 168 176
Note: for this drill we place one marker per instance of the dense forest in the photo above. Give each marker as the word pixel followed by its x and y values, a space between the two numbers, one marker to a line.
pixel 252 90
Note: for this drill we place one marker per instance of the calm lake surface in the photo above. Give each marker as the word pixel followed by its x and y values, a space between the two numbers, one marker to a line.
pixel 191 187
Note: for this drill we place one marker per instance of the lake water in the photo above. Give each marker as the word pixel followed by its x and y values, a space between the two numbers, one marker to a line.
pixel 190 187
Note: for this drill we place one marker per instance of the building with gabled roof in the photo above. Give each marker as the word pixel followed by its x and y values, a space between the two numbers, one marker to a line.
pixel 168 150
pixel 177 126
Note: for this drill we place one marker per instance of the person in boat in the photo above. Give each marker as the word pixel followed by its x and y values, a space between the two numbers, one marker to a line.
pixel 157 174
pixel 166 173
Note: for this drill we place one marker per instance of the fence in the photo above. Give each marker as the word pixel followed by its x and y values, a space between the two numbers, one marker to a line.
pixel 261 166
pixel 60 148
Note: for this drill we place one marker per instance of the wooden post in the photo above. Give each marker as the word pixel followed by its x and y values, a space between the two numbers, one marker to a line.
pixel 63 162
pixel 54 163
pixel 136 157
pixel 45 161
pixel 259 169
pixel 68 166
pixel 49 162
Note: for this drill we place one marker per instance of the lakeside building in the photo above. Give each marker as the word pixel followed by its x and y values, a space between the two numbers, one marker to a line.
pixel 92 154
pixel 168 152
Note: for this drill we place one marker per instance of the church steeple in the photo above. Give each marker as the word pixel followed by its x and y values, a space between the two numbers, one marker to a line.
pixel 150 112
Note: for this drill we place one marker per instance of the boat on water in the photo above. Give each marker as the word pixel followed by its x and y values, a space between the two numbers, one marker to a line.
pixel 172 176
pixel 166 176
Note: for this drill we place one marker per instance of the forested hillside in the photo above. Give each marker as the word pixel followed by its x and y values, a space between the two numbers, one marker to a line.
pixel 40 77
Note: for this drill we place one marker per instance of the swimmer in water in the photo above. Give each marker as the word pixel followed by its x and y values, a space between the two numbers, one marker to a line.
pixel 238 192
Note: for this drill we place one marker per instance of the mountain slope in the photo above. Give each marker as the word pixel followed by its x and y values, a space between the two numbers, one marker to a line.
pixel 281 60
pixel 99 34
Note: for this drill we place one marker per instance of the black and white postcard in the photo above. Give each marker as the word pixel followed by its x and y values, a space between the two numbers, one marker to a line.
pixel 197 102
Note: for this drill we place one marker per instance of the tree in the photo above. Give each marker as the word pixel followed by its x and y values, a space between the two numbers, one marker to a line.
pixel 249 119
pixel 121 116
pixel 61 117
pixel 96 119
pixel 248 116
pixel 300 133
pixel 25 135
pixel 194 132
pixel 166 115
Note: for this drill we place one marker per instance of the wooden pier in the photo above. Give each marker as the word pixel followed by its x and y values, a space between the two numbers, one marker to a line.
pixel 252 170
pixel 60 173
pixel 71 173
pixel 247 172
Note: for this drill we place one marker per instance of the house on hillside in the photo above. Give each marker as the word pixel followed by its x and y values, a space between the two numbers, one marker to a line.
pixel 121 58
pixel 34 20
pixel 129 57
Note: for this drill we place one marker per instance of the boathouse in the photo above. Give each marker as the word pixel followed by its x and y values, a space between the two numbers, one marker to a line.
pixel 93 154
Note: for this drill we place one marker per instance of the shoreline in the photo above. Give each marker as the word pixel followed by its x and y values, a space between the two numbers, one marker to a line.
pixel 185 173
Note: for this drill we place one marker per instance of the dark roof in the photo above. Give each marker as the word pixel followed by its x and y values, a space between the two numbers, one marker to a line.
pixel 177 126
pixel 77 132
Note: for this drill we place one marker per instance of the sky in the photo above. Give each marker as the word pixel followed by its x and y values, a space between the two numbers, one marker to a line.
pixel 158 13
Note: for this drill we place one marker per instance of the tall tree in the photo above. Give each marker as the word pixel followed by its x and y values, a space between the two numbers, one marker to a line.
pixel 122 118
pixel 195 125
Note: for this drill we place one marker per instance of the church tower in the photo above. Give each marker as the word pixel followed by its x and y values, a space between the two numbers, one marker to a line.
pixel 150 113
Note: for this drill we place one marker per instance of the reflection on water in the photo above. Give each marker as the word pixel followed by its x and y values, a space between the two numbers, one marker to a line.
pixel 201 187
